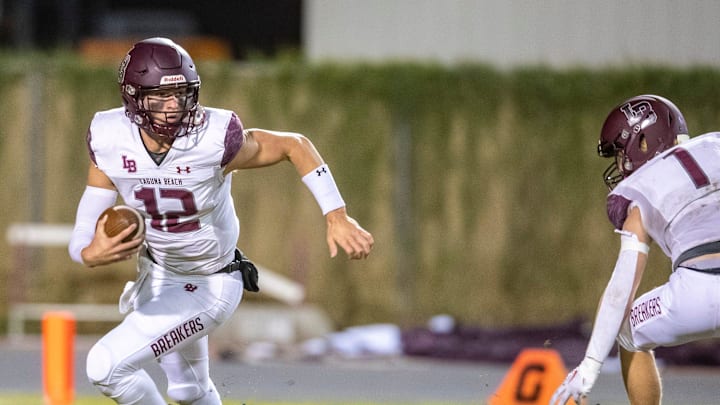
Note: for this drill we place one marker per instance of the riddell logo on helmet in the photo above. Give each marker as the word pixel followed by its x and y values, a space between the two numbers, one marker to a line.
pixel 172 79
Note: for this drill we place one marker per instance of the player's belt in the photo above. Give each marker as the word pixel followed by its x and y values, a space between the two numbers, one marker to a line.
pixel 241 263
pixel 697 251
pixel 235 265
pixel 712 270
pixel 246 268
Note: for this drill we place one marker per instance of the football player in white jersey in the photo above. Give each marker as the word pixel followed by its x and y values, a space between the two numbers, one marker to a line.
pixel 173 159
pixel 664 188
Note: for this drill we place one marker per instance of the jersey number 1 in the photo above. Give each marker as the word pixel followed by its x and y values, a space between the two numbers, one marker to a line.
pixel 691 166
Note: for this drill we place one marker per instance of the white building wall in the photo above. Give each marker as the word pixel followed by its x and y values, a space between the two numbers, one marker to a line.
pixel 558 33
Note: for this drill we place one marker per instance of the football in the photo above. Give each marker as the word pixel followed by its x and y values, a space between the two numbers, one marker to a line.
pixel 120 217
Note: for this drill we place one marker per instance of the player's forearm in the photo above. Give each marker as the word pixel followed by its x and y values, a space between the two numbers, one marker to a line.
pixel 316 174
pixel 303 155
pixel 617 296
pixel 92 203
pixel 608 321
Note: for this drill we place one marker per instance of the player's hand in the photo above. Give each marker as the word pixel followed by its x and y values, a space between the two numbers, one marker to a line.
pixel 578 383
pixel 104 249
pixel 348 234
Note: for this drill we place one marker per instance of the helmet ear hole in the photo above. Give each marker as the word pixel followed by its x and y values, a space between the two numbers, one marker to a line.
pixel 643 145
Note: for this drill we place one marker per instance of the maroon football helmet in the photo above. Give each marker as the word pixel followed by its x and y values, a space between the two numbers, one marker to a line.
pixel 159 66
pixel 636 131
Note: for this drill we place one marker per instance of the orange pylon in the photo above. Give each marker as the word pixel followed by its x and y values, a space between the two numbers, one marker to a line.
pixel 58 336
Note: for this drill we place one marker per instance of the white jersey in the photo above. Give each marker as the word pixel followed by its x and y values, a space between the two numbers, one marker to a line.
pixel 677 194
pixel 191 224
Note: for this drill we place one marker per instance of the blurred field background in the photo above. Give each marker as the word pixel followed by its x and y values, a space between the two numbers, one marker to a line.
pixel 481 186
pixel 461 135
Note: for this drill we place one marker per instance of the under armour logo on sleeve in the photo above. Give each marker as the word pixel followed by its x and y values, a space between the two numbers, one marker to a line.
pixel 320 171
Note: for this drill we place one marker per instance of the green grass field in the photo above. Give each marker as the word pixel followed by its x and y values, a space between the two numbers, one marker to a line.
pixel 38 400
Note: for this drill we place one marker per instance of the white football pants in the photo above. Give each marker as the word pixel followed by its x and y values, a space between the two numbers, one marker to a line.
pixel 172 317
pixel 685 309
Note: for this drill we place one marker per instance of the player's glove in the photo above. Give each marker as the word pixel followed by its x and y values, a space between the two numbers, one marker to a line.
pixel 578 383
pixel 246 268
pixel 249 272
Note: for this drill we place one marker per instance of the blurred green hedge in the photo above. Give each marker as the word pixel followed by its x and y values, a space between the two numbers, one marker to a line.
pixel 481 186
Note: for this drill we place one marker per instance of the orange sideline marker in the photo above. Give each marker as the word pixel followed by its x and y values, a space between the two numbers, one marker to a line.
pixel 58 336
pixel 532 378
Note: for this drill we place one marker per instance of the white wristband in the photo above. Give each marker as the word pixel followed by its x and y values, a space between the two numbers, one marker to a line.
pixel 630 241
pixel 322 185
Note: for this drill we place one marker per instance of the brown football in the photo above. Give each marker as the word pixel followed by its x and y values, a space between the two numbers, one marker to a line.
pixel 120 217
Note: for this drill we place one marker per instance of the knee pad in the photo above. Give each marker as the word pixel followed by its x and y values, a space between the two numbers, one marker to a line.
pixel 184 393
pixel 99 364
pixel 193 394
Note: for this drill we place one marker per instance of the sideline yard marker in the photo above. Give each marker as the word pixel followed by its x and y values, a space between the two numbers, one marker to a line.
pixel 531 379
pixel 58 337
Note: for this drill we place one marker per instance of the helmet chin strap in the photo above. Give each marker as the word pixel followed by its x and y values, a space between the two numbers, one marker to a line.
pixel 163 131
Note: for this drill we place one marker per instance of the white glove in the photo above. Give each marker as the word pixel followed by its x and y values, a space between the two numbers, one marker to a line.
pixel 578 383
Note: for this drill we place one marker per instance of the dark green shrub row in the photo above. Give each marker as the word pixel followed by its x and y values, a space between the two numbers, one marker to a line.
pixel 481 186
